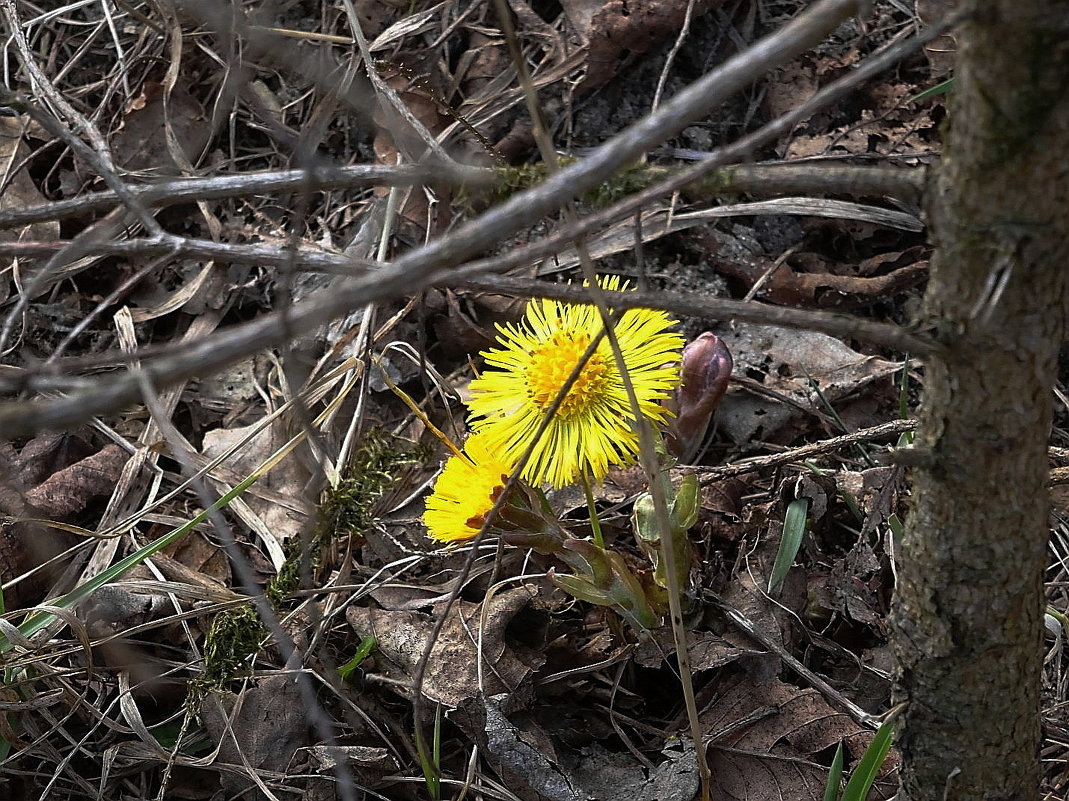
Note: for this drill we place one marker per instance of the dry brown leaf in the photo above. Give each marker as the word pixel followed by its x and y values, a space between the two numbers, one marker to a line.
pixel 113 609
pixel 367 764
pixel 720 515
pixel 28 491
pixel 705 650
pixel 453 671
pixel 201 556
pixel 785 361
pixel 69 490
pixel 940 51
pixel 377 15
pixel 458 334
pixel 140 144
pixel 621 27
pixel 876 491
pixel 46 454
pixel 479 74
pixel 767 736
pixel 887 124
pixel 19 192
pixel 795 84
pixel 273 521
pixel 264 726
pixel 878 120
pixel 539 767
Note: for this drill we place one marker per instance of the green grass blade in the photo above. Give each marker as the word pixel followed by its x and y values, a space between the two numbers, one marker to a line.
pixel 851 504
pixel 40 620
pixel 903 391
pixel 437 752
pixel 363 651
pixel 857 789
pixel 431 763
pixel 941 88
pixel 793 530
pixel 814 387
pixel 835 776
pixel 1063 621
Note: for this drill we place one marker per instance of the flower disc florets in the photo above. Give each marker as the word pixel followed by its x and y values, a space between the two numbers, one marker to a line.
pixel 594 426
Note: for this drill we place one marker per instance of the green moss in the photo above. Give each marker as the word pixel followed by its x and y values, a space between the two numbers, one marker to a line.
pixel 234 636
pixel 349 510
pixel 510 180
pixel 626 182
pixel 719 183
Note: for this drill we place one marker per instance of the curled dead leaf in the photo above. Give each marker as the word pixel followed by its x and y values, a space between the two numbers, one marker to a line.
pixel 468 658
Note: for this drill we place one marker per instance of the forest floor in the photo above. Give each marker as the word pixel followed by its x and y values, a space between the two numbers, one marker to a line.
pixel 140 668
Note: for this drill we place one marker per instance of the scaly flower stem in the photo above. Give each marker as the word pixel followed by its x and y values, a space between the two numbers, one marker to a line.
pixel 595 524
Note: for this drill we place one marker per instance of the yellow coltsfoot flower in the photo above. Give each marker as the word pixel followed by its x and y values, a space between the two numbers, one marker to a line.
pixel 465 492
pixel 594 426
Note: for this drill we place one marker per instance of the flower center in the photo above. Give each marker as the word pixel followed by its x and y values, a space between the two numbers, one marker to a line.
pixel 553 362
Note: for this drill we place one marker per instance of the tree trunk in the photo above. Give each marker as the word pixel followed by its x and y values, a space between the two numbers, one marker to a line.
pixel 969 610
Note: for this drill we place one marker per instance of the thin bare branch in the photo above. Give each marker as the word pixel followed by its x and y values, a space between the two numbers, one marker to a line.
pixel 98 156
pixel 710 307
pixel 273 255
pixel 740 150
pixel 319 179
pixel 756 179
pixel 432 262
pixel 708 475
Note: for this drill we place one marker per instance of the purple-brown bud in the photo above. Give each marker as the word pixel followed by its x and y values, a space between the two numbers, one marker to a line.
pixel 706 370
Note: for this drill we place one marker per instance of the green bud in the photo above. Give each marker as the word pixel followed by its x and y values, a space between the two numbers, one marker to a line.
pixel 685 507
pixel 645 519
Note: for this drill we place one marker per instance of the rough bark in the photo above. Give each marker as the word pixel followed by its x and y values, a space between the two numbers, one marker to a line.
pixel 969 607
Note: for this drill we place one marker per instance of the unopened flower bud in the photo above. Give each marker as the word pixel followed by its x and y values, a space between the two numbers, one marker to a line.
pixel 706 370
